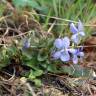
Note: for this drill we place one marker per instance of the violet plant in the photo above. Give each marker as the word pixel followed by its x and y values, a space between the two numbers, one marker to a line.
pixel 64 50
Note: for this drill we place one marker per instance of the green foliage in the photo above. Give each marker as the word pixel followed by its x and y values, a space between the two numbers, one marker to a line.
pixel 76 71
pixel 33 76
pixel 24 3
pixel 32 4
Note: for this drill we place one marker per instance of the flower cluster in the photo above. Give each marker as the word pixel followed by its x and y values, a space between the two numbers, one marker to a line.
pixel 64 51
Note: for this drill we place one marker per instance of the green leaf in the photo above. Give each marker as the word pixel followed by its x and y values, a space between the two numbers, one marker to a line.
pixel 43 9
pixel 38 72
pixel 67 69
pixel 12 50
pixel 42 55
pixel 31 75
pixel 20 3
pixel 35 73
pixel 81 71
pixel 33 4
pixel 26 56
pixel 32 63
pixel 41 58
pixel 37 82
pixel 76 71
pixel 23 3
pixel 52 68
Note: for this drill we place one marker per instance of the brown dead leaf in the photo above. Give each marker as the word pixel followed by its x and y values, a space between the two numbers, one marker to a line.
pixel 90 43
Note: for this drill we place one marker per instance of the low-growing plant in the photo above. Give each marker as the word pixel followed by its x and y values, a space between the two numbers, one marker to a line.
pixel 46 53
pixel 49 54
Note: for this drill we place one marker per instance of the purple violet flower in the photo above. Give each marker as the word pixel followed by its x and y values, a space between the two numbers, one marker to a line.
pixel 56 55
pixel 63 55
pixel 78 32
pixel 77 53
pixel 62 45
pixel 26 43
